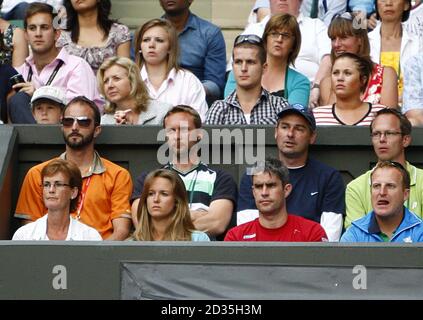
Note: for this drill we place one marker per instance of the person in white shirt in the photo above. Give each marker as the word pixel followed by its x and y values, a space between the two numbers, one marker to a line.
pixel 61 184
pixel 157 43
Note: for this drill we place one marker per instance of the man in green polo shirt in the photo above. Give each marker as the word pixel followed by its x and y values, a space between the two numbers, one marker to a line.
pixel 390 133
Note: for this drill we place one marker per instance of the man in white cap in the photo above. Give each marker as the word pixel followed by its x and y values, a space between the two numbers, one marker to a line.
pixel 47 104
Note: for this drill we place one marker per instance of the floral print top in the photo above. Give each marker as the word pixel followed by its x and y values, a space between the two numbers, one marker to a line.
pixel 95 56
pixel 6 55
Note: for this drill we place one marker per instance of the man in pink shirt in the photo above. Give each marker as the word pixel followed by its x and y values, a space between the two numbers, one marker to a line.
pixel 270 190
pixel 49 65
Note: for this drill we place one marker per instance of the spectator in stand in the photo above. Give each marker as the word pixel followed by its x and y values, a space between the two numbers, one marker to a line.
pixel 389 221
pixel 163 211
pixel 317 189
pixel 249 103
pixel 127 99
pixel 350 75
pixel 202 46
pixel 390 43
pixel 47 104
pixel 323 9
pixel 91 34
pixel 282 40
pixel 212 193
pixel 347 37
pixel 48 65
pixel 13 45
pixel 413 90
pixel 391 135
pixel 259 11
pixel 271 187
pixel 365 9
pixel 16 9
pixel 61 185
pixel 414 24
pixel 106 187
pixel 158 47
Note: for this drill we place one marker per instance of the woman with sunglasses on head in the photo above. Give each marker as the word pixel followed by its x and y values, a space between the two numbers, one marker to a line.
pixel 91 34
pixel 163 213
pixel 282 41
pixel 390 43
pixel 61 185
pixel 348 36
pixel 127 98
pixel 157 42
pixel 350 75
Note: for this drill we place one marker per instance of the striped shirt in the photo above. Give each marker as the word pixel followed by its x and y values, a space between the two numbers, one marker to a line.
pixel 229 110
pixel 326 116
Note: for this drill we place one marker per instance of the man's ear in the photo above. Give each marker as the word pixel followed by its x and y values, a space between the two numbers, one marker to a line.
pixel 97 131
pixel 287 189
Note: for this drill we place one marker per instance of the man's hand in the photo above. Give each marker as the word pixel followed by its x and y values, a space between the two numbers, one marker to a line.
pixel 26 87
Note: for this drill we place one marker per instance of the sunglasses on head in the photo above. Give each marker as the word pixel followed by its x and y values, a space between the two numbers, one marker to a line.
pixel 248 38
pixel 346 15
pixel 82 121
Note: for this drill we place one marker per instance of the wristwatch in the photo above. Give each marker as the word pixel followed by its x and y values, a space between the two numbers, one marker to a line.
pixel 315 85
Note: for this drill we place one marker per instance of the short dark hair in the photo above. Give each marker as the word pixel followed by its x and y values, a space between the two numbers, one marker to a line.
pixel 70 170
pixel 185 109
pixel 272 166
pixel 38 7
pixel 393 164
pixel 251 41
pixel 405 124
pixel 84 100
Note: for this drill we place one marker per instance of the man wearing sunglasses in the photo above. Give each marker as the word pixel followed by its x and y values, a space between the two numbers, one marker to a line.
pixel 390 132
pixel 106 188
pixel 249 103
pixel 48 65
pixel 389 221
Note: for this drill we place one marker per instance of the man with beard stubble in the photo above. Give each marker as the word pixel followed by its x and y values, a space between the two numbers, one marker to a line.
pixel 104 202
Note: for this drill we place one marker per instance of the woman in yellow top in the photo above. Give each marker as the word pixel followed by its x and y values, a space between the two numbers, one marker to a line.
pixel 391 44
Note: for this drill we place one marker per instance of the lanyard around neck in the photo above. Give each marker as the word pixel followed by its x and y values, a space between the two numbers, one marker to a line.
pixel 52 76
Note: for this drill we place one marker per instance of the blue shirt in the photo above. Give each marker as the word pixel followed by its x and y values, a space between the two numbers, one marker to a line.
pixel 316 188
pixel 366 229
pixel 361 5
pixel 203 52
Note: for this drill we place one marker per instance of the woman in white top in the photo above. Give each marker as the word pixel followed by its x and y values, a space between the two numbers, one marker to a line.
pixel 390 43
pixel 61 184
pixel 350 74
pixel 157 45
pixel 163 213
pixel 127 98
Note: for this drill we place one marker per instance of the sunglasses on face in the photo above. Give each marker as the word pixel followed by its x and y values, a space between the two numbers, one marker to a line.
pixel 248 38
pixel 84 122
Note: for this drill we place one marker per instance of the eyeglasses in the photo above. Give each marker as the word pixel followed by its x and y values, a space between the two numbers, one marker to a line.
pixel 285 36
pixel 57 185
pixel 82 121
pixel 248 38
pixel 387 134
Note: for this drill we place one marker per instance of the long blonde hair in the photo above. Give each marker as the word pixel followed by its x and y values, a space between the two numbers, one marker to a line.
pixel 181 226
pixel 138 91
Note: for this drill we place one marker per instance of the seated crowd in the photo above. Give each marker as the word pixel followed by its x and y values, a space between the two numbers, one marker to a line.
pixel 293 68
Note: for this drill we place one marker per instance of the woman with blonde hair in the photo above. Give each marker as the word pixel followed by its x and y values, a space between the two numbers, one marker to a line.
pixel 163 213
pixel 347 36
pixel 156 44
pixel 127 98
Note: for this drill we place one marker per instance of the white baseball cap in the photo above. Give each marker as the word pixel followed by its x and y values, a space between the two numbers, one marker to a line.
pixel 56 94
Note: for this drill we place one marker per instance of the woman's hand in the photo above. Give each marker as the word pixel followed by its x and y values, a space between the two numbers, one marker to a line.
pixel 123 116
